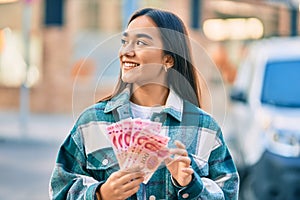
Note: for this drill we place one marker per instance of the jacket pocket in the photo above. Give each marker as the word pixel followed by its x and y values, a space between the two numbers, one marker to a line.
pixel 102 163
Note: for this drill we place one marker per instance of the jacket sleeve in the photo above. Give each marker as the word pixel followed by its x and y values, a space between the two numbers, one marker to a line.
pixel 70 178
pixel 222 181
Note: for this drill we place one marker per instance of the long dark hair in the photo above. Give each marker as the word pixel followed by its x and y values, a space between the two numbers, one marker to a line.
pixel 182 77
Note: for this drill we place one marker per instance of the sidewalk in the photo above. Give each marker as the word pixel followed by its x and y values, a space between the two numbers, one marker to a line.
pixel 37 127
pixel 27 157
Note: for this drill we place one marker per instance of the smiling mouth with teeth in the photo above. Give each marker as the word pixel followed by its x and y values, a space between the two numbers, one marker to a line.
pixel 128 65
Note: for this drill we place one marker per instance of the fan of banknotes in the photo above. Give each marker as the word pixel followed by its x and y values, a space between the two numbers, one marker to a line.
pixel 138 142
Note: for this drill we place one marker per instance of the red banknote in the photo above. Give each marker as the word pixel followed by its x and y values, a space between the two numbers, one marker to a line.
pixel 138 142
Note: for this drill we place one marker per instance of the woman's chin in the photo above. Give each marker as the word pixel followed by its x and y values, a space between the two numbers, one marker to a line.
pixel 128 78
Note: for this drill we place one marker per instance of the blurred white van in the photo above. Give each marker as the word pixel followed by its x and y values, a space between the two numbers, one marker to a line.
pixel 264 119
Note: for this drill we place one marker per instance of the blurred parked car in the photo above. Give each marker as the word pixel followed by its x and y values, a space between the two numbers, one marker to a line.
pixel 265 120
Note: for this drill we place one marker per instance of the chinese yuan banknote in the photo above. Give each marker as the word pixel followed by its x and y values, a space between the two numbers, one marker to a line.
pixel 138 142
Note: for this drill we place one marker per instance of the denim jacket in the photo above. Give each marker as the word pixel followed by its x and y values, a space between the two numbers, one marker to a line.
pixel 85 160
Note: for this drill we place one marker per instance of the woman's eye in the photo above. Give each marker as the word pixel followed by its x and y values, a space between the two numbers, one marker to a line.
pixel 123 42
pixel 141 43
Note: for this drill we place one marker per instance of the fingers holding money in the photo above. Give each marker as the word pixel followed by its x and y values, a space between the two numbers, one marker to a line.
pixel 122 184
pixel 179 164
pixel 180 153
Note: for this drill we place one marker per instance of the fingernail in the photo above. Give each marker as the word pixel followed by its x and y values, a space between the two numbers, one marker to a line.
pixel 163 153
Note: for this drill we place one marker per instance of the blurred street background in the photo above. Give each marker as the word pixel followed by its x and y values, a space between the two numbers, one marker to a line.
pixel 58 57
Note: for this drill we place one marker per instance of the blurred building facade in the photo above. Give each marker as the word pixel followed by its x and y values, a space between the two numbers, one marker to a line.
pixel 63 75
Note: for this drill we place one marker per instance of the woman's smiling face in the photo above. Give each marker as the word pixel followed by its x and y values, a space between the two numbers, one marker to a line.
pixel 141 54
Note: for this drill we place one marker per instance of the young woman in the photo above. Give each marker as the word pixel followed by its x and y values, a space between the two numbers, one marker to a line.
pixel 157 82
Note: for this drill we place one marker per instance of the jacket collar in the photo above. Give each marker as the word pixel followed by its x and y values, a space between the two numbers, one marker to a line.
pixel 120 99
pixel 174 104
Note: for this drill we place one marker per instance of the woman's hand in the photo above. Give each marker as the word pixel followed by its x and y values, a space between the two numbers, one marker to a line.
pixel 179 166
pixel 122 184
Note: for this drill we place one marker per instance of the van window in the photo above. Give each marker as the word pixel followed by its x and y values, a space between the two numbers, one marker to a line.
pixel 281 85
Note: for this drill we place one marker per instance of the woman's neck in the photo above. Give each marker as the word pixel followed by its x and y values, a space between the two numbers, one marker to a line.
pixel 149 95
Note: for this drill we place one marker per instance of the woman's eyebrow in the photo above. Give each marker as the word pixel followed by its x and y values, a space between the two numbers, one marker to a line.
pixel 143 35
pixel 139 35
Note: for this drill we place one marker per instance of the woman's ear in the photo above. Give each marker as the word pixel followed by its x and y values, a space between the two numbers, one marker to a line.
pixel 168 61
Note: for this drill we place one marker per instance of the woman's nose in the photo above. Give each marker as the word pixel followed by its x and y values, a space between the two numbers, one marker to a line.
pixel 127 50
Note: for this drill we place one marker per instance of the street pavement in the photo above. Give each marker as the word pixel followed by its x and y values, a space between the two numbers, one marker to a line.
pixel 25 169
pixel 28 153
